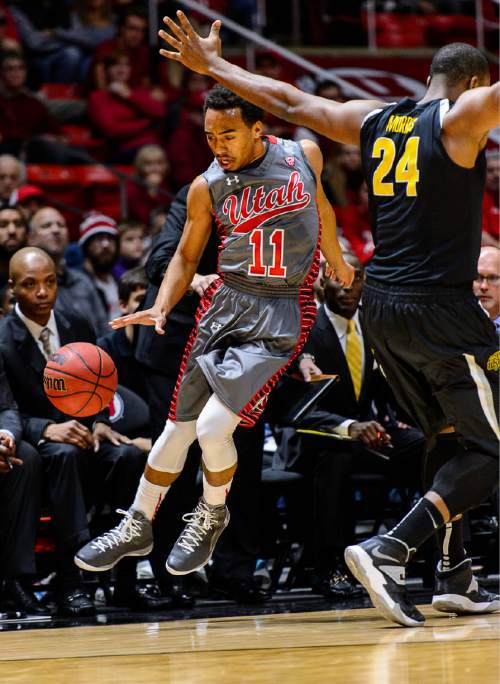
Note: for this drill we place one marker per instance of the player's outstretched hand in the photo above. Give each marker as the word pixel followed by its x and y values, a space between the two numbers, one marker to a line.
pixel 148 317
pixel 343 273
pixel 191 49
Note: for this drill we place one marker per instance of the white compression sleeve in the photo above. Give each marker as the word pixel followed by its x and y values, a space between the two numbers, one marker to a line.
pixel 170 450
pixel 214 428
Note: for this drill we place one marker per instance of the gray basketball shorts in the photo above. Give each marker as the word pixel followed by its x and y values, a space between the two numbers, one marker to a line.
pixel 239 347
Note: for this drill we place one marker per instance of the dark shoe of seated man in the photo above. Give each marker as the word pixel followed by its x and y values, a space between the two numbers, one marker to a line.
pixel 137 599
pixel 335 582
pixel 18 596
pixel 247 590
pixel 75 601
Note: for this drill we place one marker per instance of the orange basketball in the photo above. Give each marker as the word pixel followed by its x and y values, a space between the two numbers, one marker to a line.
pixel 80 379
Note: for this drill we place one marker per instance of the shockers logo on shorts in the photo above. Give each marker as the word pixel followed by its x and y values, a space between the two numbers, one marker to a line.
pixel 248 211
pixel 493 362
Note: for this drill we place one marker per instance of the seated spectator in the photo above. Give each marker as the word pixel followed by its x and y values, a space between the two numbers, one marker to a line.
pixel 20 505
pixel 29 198
pixel 132 247
pixel 73 452
pixel 187 140
pixel 9 37
pixel 356 226
pixel 491 210
pixel 12 176
pixel 99 243
pixel 361 407
pixel 13 236
pixel 37 24
pixel 76 292
pixel 153 189
pixel 26 124
pixel 120 344
pixel 90 24
pixel 343 176
pixel 487 283
pixel 128 117
pixel 130 41
pixel 7 300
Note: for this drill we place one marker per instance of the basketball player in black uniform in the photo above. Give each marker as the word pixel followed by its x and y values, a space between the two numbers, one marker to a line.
pixel 424 165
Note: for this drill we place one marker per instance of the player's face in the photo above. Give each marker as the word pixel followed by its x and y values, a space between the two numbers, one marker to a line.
pixel 49 232
pixel 341 300
pixel 233 143
pixel 35 289
pixel 487 284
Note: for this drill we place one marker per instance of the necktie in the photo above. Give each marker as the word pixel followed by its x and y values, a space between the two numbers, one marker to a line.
pixel 354 356
pixel 45 340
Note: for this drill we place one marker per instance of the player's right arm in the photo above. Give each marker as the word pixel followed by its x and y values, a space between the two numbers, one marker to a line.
pixel 468 122
pixel 335 120
pixel 182 268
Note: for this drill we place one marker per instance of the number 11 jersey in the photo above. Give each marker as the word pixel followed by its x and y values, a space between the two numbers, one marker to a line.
pixel 425 209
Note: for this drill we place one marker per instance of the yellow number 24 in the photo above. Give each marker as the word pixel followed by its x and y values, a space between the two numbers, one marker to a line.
pixel 406 168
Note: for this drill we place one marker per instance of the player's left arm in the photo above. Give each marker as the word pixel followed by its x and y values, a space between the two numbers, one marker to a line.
pixel 342 272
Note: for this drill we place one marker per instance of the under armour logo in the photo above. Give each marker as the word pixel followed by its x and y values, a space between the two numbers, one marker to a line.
pixel 215 327
pixel 232 180
pixel 290 161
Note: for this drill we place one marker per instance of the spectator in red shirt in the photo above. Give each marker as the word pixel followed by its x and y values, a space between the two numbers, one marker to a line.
pixel 356 226
pixel 491 210
pixel 152 189
pixel 127 117
pixel 187 145
pixel 22 115
pixel 131 40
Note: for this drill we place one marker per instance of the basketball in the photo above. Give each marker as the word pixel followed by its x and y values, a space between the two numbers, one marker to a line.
pixel 80 379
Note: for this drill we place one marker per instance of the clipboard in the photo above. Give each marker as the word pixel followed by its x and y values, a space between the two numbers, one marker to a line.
pixel 314 391
pixel 344 438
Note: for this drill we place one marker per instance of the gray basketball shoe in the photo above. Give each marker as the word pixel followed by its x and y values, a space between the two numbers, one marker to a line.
pixel 457 591
pixel 133 536
pixel 194 548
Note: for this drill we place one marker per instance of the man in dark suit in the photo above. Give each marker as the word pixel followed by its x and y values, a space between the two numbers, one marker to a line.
pixel 71 451
pixel 359 411
pixel 161 356
pixel 20 490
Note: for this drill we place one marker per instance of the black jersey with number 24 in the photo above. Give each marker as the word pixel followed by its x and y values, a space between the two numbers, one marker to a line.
pixel 425 209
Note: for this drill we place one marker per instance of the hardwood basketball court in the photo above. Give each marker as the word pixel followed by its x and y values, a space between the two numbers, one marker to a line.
pixel 348 646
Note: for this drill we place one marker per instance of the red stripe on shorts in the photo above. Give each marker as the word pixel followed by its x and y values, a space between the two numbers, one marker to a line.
pixel 252 411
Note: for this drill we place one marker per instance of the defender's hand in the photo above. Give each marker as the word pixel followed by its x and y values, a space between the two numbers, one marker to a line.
pixel 150 316
pixel 193 51
pixel 343 273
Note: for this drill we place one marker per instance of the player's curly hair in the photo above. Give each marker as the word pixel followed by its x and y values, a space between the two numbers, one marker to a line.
pixel 220 98
pixel 458 62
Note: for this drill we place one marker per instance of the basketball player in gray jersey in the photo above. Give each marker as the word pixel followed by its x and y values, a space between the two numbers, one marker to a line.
pixel 272 217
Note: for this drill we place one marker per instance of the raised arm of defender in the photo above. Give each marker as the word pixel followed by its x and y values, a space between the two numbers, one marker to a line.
pixel 182 267
pixel 338 121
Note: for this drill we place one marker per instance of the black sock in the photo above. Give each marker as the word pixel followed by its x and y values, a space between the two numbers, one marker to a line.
pixel 418 525
pixel 451 544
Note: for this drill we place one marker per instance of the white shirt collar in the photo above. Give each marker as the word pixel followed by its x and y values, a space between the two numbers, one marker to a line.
pixel 340 323
pixel 34 328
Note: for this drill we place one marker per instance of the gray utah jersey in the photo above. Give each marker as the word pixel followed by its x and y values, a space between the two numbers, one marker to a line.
pixel 267 216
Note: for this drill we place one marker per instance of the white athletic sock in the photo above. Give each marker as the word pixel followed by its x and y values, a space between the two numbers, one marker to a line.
pixel 215 496
pixel 149 497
